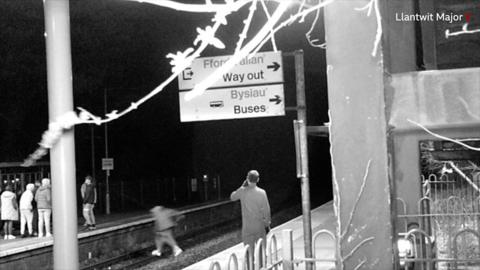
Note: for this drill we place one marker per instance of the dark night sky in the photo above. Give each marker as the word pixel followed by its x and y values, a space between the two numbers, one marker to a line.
pixel 121 46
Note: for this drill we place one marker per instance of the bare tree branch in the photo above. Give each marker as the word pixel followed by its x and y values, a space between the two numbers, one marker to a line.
pixel 359 195
pixel 363 242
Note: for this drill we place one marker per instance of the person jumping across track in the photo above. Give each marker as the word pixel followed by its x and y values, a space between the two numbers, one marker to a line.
pixel 165 220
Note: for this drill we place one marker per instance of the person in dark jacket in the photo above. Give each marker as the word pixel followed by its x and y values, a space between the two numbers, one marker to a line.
pixel 43 197
pixel 165 220
pixel 37 185
pixel 89 197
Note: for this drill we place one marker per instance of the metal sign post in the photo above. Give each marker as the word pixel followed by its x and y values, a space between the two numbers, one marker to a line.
pixel 107 165
pixel 301 146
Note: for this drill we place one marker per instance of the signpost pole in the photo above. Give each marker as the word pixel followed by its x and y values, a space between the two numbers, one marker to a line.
pixel 107 172
pixel 303 147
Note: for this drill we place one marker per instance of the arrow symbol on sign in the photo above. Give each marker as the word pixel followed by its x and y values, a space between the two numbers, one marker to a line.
pixel 275 66
pixel 277 100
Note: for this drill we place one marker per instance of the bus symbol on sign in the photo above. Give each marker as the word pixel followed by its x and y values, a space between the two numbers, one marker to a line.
pixel 216 104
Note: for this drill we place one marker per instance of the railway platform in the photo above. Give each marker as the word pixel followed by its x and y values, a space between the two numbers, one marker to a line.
pixel 115 234
pixel 324 246
pixel 104 223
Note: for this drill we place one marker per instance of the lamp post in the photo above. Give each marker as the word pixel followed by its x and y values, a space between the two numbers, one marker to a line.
pixel 62 154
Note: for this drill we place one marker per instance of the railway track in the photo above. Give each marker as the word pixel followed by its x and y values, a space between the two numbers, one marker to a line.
pixel 143 257
pixel 196 247
pixel 119 240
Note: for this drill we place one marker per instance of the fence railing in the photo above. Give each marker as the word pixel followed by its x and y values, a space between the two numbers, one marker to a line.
pixel 269 256
pixel 173 191
pixel 444 230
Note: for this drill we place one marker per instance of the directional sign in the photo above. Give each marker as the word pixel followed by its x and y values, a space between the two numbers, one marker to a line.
pixel 261 68
pixel 234 103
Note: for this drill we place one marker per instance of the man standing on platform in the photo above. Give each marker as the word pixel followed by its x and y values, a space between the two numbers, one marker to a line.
pixel 89 197
pixel 255 210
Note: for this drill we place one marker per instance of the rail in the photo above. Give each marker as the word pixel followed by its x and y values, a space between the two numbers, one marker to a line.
pixel 108 243
pixel 266 256
pixel 146 222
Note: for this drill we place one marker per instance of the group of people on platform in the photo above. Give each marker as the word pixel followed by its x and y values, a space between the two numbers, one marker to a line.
pixel 34 209
pixel 35 205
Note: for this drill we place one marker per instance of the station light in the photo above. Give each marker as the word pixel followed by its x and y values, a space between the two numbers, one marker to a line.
pixel 405 249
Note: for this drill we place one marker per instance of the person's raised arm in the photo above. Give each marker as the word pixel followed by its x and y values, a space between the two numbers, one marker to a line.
pixel 237 193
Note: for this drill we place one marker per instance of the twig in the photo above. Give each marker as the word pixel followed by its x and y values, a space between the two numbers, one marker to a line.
pixel 246 25
pixel 245 51
pixel 443 137
pixel 360 264
pixel 464 31
pixel 359 195
pixel 309 33
pixel 293 18
pixel 336 190
pixel 374 4
pixel 272 34
pixel 467 108
pixel 359 245
pixel 464 176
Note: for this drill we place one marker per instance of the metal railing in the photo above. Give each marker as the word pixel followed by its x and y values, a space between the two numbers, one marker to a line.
pixel 267 257
pixel 444 232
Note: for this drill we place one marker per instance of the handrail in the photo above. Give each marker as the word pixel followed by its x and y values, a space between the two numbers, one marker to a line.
pixel 247 258
pixel 235 261
pixel 215 265
pixel 259 255
pixel 272 244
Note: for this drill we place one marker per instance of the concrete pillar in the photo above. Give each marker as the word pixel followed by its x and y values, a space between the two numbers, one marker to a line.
pixel 358 135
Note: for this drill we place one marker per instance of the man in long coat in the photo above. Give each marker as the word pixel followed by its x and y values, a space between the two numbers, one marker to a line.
pixel 255 209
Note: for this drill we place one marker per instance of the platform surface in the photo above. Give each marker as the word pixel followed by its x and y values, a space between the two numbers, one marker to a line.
pixel 104 223
pixel 322 218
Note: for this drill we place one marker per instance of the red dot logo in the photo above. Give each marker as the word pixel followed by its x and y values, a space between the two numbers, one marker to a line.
pixel 468 16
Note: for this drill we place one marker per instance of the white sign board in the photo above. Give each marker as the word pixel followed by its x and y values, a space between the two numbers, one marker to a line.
pixel 107 164
pixel 234 103
pixel 261 68
pixel 253 88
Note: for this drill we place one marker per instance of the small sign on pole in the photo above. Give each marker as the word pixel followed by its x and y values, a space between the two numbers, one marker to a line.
pixel 297 126
pixel 107 164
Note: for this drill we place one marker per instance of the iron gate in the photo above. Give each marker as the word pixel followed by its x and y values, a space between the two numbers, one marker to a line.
pixel 444 233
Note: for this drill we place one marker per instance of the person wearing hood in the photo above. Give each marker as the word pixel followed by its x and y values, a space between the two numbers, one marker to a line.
pixel 43 197
pixel 26 210
pixel 9 211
